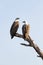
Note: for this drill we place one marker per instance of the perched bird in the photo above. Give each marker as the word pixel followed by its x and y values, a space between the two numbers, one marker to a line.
pixel 14 27
pixel 25 29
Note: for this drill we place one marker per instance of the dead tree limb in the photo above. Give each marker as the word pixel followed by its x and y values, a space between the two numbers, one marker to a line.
pixel 31 44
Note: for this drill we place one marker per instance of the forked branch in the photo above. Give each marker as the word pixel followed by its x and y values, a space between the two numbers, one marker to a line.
pixel 31 44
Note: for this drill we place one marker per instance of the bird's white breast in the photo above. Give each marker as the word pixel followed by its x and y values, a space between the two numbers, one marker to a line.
pixel 26 22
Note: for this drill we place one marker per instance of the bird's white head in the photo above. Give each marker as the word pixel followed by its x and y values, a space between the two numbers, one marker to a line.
pixel 17 19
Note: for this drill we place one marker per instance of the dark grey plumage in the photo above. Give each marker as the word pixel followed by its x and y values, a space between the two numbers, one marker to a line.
pixel 14 27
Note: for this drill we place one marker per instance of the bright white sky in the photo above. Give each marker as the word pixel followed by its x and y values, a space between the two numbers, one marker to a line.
pixel 11 52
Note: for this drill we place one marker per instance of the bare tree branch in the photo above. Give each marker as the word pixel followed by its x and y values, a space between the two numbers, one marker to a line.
pixel 31 44
pixel 25 44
